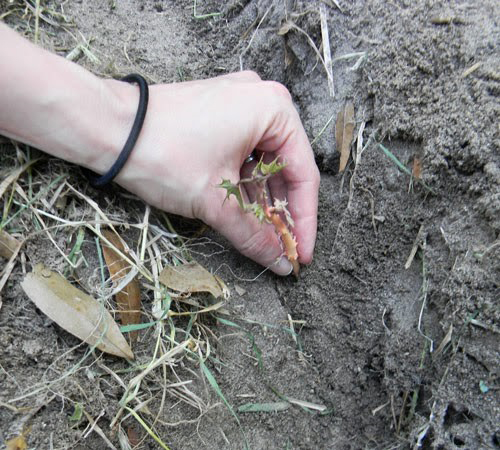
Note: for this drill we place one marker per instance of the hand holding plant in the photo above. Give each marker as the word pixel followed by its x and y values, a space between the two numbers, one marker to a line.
pixel 265 209
pixel 194 134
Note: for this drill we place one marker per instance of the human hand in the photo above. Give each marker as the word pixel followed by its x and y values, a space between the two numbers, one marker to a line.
pixel 199 132
pixel 194 135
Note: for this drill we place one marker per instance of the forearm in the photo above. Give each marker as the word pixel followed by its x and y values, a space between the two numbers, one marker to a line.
pixel 59 107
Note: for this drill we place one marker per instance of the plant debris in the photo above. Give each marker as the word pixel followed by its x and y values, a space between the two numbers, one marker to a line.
pixel 264 407
pixel 191 277
pixel 417 168
pixel 17 443
pixel 129 298
pixel 14 175
pixel 344 131
pixel 8 245
pixel 75 311
pixel 327 54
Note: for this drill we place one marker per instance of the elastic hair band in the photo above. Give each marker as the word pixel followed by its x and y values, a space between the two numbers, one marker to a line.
pixel 134 132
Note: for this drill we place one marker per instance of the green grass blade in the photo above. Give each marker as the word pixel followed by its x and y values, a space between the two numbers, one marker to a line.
pixel 405 169
pixel 395 160
pixel 256 350
pixel 136 327
pixel 215 386
pixel 33 200
pixel 149 430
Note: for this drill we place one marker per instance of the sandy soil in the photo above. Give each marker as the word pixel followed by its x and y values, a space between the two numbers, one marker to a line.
pixel 427 87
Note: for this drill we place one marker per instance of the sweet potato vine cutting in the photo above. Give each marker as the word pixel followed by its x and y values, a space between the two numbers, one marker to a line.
pixel 265 209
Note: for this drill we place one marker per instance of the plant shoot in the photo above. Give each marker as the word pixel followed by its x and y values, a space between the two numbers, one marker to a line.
pixel 272 212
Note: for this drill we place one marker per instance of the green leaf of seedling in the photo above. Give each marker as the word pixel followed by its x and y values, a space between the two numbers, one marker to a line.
pixel 269 169
pixel 257 210
pixel 232 189
pixel 77 413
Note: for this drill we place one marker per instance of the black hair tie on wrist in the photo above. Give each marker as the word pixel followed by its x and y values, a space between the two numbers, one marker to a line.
pixel 134 132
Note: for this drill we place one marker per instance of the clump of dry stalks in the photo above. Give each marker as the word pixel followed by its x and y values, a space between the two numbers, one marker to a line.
pixel 47 208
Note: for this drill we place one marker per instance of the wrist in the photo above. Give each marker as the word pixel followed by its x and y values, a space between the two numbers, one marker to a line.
pixel 106 131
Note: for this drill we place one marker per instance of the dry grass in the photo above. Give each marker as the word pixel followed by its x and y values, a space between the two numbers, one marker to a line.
pixel 47 206
pixel 56 212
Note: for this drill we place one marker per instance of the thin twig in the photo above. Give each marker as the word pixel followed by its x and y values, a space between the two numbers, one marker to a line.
pixel 253 36
pixel 326 48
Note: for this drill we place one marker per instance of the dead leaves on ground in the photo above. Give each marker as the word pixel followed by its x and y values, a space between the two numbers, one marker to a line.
pixel 75 311
pixel 86 318
pixel 344 132
pixel 17 443
pixel 8 245
pixel 129 298
pixel 192 277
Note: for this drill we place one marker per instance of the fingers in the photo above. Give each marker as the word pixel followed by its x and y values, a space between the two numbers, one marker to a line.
pixel 263 117
pixel 251 238
pixel 286 137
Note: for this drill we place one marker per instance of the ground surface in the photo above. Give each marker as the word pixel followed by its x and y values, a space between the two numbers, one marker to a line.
pixel 371 348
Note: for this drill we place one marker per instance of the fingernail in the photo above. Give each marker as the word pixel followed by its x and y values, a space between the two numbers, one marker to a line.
pixel 283 267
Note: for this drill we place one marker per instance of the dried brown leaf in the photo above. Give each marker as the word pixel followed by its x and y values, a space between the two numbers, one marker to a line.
pixel 192 277
pixel 344 131
pixel 133 436
pixel 17 443
pixel 129 298
pixel 8 245
pixel 75 311
pixel 417 168
pixel 8 268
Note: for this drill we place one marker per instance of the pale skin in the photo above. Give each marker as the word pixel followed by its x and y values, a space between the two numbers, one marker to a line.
pixel 195 134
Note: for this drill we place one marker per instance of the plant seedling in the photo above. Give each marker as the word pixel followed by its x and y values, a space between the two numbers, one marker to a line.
pixel 275 213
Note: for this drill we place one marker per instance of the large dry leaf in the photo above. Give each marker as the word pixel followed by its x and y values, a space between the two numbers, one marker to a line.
pixel 129 298
pixel 192 277
pixel 8 245
pixel 344 131
pixel 75 311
